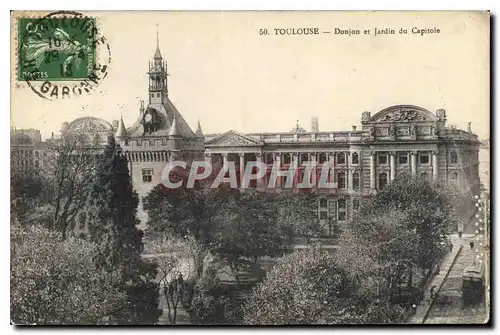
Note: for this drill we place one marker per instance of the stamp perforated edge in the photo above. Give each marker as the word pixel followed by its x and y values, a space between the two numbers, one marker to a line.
pixel 14 28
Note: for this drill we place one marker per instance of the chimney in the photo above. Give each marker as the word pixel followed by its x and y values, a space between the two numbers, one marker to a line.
pixel 52 135
pixel 353 128
pixel 469 127
pixel 314 124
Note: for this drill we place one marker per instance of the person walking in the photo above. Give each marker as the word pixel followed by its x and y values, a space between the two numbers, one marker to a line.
pixel 471 245
pixel 460 230
pixel 433 293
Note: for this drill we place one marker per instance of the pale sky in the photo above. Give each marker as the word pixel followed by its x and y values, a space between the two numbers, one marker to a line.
pixel 228 76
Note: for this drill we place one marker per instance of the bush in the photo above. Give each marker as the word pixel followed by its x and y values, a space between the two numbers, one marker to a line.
pixel 56 282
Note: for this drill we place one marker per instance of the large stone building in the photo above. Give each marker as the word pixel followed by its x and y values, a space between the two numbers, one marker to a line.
pixel 389 142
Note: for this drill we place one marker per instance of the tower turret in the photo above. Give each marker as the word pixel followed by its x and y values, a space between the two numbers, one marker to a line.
pixel 158 88
pixel 121 131
pixel 199 132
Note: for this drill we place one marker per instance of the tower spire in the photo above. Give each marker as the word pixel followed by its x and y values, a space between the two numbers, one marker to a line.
pixel 199 132
pixel 157 52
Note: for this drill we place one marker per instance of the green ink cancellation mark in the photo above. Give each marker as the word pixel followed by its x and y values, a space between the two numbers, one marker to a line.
pixel 56 49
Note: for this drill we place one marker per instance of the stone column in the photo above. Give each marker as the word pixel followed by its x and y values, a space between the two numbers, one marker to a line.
pixel 372 170
pixel 413 162
pixel 242 166
pixel 349 172
pixel 295 165
pixel 435 156
pixel 393 164
pixel 261 183
pixel 277 166
pixel 331 176
pixel 224 160
pixel 314 168
pixel 208 158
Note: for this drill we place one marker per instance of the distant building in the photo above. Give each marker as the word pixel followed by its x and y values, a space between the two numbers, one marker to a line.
pixel 27 149
pixel 397 139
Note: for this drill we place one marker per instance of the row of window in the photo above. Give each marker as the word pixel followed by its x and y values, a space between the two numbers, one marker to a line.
pixel 37 154
pixel 341 158
pixel 26 163
pixel 147 177
pixel 335 209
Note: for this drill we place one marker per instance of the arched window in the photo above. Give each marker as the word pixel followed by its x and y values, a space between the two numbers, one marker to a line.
pixel 341 180
pixel 287 158
pixel 341 158
pixel 382 180
pixel 454 158
pixel 304 158
pixel 323 209
pixel 355 158
pixel 355 181
pixel 322 158
pixel 341 209
pixel 322 203
pixel 270 158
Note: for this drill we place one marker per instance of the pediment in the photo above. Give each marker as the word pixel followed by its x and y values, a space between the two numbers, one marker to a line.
pixel 233 138
pixel 403 113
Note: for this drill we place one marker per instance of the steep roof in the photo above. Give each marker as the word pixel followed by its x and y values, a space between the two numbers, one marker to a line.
pixel 199 132
pixel 173 129
pixel 121 131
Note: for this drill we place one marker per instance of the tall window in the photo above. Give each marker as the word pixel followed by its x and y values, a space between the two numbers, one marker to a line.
pixel 355 158
pixel 147 175
pixel 403 158
pixel 382 180
pixel 341 158
pixel 355 181
pixel 341 209
pixel 269 159
pixel 144 203
pixel 323 209
pixel 322 158
pixel 454 178
pixel 454 158
pixel 382 158
pixel 424 158
pixel 304 158
pixel 341 180
pixel 287 158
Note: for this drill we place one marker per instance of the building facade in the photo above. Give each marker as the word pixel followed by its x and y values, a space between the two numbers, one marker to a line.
pixel 397 139
pixel 27 150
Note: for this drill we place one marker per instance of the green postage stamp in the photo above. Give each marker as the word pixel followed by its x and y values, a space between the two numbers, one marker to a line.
pixel 56 48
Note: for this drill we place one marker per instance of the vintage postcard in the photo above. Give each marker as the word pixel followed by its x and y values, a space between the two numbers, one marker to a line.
pixel 250 168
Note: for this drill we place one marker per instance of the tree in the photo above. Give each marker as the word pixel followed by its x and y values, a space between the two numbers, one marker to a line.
pixel 311 286
pixel 379 249
pixel 427 208
pixel 396 234
pixel 55 281
pixel 233 226
pixel 112 221
pixel 71 175
pixel 305 287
